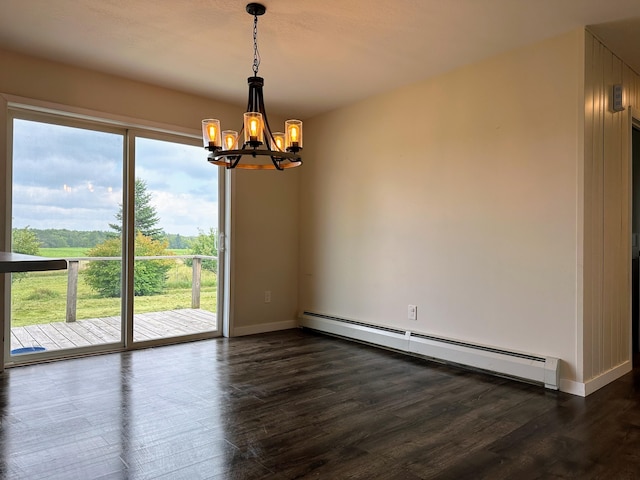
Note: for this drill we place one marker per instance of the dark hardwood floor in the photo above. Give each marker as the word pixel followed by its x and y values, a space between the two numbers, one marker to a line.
pixel 296 404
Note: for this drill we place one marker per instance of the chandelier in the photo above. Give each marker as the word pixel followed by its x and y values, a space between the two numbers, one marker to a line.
pixel 256 141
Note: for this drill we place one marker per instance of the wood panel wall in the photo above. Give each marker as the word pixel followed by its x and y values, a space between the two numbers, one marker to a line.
pixel 607 214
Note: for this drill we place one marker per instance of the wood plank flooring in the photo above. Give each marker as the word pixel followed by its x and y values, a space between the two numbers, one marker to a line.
pixel 296 404
pixel 96 331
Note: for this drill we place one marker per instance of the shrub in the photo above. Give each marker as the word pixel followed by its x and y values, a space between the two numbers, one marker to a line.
pixel 24 241
pixel 205 244
pixel 150 276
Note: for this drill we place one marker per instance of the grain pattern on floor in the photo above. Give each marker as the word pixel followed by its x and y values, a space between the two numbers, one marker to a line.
pixel 296 404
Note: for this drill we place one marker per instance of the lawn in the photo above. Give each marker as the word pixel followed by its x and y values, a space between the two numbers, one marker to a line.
pixel 41 297
pixel 67 252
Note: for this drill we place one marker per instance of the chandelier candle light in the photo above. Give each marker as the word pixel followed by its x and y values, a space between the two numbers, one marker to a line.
pixel 255 137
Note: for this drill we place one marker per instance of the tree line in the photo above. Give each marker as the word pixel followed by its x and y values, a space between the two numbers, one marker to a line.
pixel 63 238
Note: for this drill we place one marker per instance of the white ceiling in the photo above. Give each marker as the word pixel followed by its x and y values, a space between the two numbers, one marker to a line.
pixel 316 55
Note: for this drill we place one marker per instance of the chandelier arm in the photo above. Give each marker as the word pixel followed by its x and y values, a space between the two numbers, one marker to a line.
pixel 240 135
pixel 276 163
pixel 268 134
pixel 256 96
pixel 251 101
pixel 234 161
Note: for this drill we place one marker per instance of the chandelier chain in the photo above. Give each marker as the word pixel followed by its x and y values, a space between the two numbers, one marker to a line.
pixel 256 53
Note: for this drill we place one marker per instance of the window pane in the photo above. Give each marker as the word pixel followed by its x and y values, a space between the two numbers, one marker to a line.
pixel 67 188
pixel 176 215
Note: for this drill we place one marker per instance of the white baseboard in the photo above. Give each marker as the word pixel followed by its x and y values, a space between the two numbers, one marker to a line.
pixel 263 328
pixel 584 389
pixel 587 388
pixel 607 377
pixel 572 387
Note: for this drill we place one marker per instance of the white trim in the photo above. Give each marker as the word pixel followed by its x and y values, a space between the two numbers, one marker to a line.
pixel 634 122
pixel 128 241
pixel 574 388
pixel 222 317
pixel 607 377
pixel 580 213
pixel 103 118
pixel 264 328
pixel 5 175
pixel 5 232
pixel 228 279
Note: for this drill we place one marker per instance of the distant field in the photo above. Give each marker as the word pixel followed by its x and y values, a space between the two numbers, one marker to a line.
pixel 66 252
pixel 71 252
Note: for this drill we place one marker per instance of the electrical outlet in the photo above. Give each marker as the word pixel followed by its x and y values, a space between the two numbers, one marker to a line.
pixel 413 312
pixel 267 296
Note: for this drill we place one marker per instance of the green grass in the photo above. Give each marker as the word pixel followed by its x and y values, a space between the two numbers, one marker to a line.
pixel 41 297
pixel 66 252
pixel 180 251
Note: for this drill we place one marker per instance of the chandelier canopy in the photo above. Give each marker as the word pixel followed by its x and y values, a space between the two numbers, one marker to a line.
pixel 250 148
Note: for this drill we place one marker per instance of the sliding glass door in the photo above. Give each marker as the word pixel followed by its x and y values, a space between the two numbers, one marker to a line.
pixel 66 187
pixel 111 201
pixel 176 225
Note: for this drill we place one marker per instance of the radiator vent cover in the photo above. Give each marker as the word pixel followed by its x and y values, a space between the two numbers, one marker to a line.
pixel 514 364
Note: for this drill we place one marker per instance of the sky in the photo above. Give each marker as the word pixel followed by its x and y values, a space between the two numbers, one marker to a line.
pixel 72 178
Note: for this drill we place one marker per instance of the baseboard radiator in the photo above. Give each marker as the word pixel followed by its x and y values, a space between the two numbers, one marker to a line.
pixel 517 365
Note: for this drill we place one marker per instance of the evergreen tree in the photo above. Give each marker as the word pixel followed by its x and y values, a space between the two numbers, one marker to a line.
pixel 146 217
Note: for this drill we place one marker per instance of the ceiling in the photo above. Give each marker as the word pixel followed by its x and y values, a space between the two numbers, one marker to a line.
pixel 316 55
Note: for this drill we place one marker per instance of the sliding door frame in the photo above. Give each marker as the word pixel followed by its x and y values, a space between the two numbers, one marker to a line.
pixel 128 305
pixel 17 107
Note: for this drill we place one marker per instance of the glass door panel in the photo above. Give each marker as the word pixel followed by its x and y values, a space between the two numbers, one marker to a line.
pixel 176 228
pixel 67 188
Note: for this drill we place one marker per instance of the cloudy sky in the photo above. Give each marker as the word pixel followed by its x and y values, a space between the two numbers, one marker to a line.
pixel 71 178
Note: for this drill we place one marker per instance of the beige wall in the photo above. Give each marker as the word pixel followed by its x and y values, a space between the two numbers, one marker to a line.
pixel 466 194
pixel 265 212
pixel 607 249
pixel 459 195
pixel 266 250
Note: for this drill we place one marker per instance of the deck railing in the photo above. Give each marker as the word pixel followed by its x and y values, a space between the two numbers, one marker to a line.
pixel 74 269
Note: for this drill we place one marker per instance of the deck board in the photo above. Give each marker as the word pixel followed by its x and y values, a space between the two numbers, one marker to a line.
pixel 97 331
pixel 20 338
pixel 84 330
pixel 40 338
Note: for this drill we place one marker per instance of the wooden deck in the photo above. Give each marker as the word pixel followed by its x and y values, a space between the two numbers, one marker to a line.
pixel 96 331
